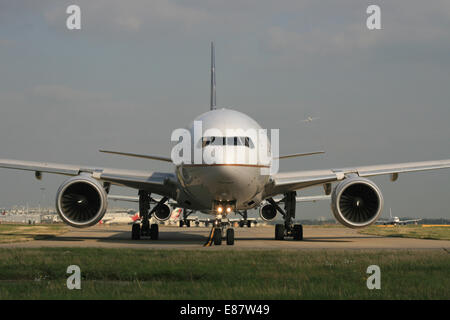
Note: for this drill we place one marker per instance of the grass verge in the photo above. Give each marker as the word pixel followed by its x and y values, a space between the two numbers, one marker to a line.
pixel 22 232
pixel 409 231
pixel 203 274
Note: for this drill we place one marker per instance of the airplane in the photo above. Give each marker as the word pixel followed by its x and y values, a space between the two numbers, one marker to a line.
pixel 178 215
pixel 396 220
pixel 243 222
pixel 219 189
pixel 310 119
pixel 119 218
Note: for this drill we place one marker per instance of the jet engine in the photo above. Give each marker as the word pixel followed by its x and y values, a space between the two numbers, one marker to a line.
pixel 356 202
pixel 162 212
pixel 268 212
pixel 81 201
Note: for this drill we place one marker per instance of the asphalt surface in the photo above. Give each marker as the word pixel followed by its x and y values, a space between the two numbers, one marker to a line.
pixel 119 236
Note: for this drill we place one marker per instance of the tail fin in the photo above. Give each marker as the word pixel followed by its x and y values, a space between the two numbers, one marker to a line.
pixel 213 78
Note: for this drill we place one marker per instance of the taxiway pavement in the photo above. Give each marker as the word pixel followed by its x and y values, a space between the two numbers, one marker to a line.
pixel 170 237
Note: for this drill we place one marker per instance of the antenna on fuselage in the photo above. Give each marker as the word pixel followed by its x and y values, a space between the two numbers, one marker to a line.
pixel 213 78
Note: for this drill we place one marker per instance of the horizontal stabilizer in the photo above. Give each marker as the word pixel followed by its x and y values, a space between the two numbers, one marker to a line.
pixel 138 155
pixel 300 154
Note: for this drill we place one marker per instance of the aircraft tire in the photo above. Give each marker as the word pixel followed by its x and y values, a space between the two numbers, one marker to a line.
pixel 217 236
pixel 297 232
pixel 154 232
pixel 136 231
pixel 279 232
pixel 230 236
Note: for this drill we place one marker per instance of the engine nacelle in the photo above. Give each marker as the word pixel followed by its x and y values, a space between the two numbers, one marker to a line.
pixel 162 212
pixel 356 202
pixel 81 201
pixel 268 212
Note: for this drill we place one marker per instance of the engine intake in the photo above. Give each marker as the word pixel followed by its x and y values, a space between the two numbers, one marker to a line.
pixel 268 212
pixel 356 202
pixel 81 201
pixel 162 212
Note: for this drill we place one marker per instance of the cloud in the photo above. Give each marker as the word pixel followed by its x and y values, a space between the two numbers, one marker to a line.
pixel 64 93
pixel 132 16
pixel 419 31
pixel 321 42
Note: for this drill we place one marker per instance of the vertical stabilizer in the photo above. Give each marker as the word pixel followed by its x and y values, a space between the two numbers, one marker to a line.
pixel 213 78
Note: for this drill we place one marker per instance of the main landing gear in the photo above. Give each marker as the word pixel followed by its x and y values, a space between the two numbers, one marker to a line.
pixel 288 229
pixel 144 228
pixel 184 221
pixel 244 221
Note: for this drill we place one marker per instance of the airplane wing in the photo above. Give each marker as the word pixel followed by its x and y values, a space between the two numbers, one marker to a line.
pixel 123 198
pixel 136 199
pixel 156 182
pixel 291 181
pixel 312 198
pixel 308 198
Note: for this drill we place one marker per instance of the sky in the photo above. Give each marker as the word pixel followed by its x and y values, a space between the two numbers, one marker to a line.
pixel 137 70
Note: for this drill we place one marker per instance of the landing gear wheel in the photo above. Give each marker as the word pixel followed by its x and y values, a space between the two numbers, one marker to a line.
pixel 188 223
pixel 181 223
pixel 230 236
pixel 279 232
pixel 297 232
pixel 154 232
pixel 145 228
pixel 249 224
pixel 217 236
pixel 136 232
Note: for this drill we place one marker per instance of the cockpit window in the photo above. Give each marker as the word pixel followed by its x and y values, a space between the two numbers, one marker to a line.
pixel 227 141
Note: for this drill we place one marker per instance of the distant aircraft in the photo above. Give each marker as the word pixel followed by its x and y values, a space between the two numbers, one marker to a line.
pixel 184 218
pixel 396 220
pixel 241 222
pixel 310 119
pixel 219 188
pixel 119 218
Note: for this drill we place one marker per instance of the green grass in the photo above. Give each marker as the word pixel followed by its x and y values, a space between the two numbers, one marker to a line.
pixel 410 231
pixel 23 232
pixel 206 274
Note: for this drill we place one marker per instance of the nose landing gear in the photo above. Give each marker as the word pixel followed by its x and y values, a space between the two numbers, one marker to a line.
pixel 219 231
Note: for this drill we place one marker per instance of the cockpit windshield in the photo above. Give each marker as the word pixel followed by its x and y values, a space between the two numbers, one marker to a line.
pixel 227 141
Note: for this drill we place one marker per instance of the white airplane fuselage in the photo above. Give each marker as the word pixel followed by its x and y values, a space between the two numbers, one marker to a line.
pixel 231 180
